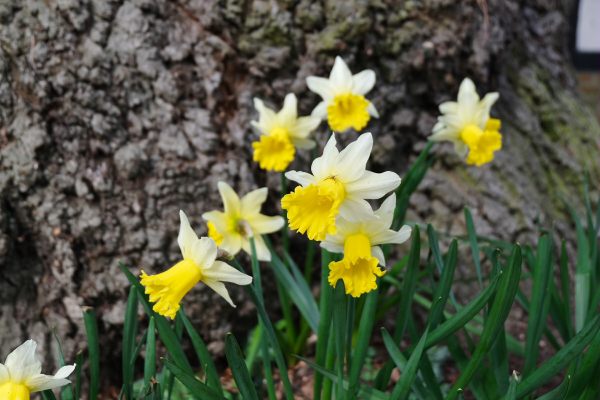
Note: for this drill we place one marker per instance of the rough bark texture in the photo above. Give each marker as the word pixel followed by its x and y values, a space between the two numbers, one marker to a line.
pixel 116 114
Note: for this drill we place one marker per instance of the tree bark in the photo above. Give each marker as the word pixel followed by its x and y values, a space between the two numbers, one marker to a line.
pixel 116 114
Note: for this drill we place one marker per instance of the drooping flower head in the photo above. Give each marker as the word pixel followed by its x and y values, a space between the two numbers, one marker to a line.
pixel 468 125
pixel 339 185
pixel 199 264
pixel 281 133
pixel 359 242
pixel 21 374
pixel 344 103
pixel 241 220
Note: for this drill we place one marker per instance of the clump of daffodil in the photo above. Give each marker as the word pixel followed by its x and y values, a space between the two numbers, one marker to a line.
pixel 199 264
pixel 339 185
pixel 241 220
pixel 359 242
pixel 21 374
pixel 281 133
pixel 468 125
pixel 344 103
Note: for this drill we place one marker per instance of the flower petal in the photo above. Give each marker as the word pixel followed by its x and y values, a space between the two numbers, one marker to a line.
pixel 320 111
pixel 304 126
pixel 340 76
pixel 332 247
pixel 305 144
pixel 220 288
pixel 232 243
pixel 4 374
pixel 363 82
pixel 262 224
pixel 378 254
pixel 42 382
pixel 390 236
pixel 372 110
pixel 303 178
pixel 262 251
pixel 289 112
pixel 266 117
pixel 353 209
pixel 21 362
pixel 224 272
pixel 387 208
pixel 373 185
pixel 320 86
pixel 204 252
pixel 231 201
pixel 322 166
pixel 187 237
pixel 253 201
pixel 353 159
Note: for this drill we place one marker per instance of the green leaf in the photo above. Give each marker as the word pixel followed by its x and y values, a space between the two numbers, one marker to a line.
pixel 326 307
pixel 129 333
pixel 507 288
pixel 472 235
pixel 91 329
pixel 204 356
pixel 409 370
pixel 443 288
pixel 236 362
pixel 363 338
pixel 198 389
pixel 561 359
pixel 150 358
pixel 339 331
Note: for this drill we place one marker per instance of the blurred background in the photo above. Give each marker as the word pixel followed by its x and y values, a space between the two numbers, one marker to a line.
pixel 115 114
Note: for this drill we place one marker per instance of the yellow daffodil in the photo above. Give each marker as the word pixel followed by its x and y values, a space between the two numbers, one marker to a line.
pixel 339 185
pixel 199 264
pixel 468 125
pixel 21 374
pixel 240 221
pixel 281 133
pixel 359 242
pixel 344 103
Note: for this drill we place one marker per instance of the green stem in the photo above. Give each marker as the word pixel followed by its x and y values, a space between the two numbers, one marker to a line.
pixel 323 332
pixel 285 234
pixel 340 332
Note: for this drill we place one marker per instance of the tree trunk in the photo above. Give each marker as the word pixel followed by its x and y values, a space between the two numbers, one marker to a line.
pixel 116 114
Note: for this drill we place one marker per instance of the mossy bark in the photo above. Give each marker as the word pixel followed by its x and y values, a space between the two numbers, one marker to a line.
pixel 116 114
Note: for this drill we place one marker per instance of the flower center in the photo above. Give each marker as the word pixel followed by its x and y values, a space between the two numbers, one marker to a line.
pixel 14 391
pixel 168 288
pixel 346 111
pixel 482 143
pixel 358 269
pixel 275 151
pixel 312 209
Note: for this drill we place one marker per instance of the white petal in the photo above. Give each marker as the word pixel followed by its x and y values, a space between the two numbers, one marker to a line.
pixel 449 107
pixel 65 371
pixel 355 209
pixel 304 126
pixel 232 243
pixel 262 251
pixel 262 224
pixel 231 201
pixel 220 288
pixel 467 95
pixel 289 112
pixel 390 236
pixel 461 148
pixel 332 247
pixel 353 159
pixel 218 218
pixel 224 272
pixel 320 86
pixel 253 201
pixel 187 237
pixel 42 382
pixel 372 110
pixel 363 82
pixel 373 185
pixel 320 111
pixel 4 374
pixel 387 208
pixel 21 362
pixel 340 77
pixel 303 178
pixel 204 252
pixel 378 254
pixel 266 117
pixel 322 166
pixel 305 144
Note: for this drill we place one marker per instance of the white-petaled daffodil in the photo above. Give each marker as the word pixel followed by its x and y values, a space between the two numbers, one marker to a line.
pixel 359 242
pixel 344 104
pixel 281 133
pixel 339 185
pixel 199 264
pixel 241 220
pixel 467 123
pixel 21 374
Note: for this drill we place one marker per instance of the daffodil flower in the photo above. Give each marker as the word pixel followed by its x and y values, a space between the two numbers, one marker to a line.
pixel 344 103
pixel 199 264
pixel 468 125
pixel 241 220
pixel 21 374
pixel 281 133
pixel 359 242
pixel 339 185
